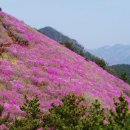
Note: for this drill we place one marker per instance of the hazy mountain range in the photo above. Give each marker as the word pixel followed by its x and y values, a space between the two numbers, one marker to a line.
pixel 116 54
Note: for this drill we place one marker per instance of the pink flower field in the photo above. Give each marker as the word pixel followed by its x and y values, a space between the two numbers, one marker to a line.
pixel 34 65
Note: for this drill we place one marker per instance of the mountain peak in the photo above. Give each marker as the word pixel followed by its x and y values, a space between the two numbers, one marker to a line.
pixel 48 27
pixel 53 33
pixel 60 37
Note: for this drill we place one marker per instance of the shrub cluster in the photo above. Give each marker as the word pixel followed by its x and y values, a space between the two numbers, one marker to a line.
pixel 72 114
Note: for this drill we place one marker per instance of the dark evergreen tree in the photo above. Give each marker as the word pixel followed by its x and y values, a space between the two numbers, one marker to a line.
pixel 124 76
pixel 100 62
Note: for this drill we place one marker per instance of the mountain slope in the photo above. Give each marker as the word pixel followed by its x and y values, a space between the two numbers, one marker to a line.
pixel 121 68
pixel 117 54
pixel 34 65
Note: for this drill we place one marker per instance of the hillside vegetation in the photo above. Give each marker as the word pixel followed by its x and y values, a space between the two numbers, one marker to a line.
pixel 122 69
pixel 34 65
pixel 72 113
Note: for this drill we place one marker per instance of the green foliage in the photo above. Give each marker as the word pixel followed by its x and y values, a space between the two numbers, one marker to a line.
pixel 3 120
pixel 122 71
pixel 31 107
pixel 72 114
pixel 100 62
pixel 66 116
pixel 69 45
pixel 119 119
pixel 124 76
pixel 32 120
pixel 72 47
pixel 93 118
pixel 96 116
pixel 111 70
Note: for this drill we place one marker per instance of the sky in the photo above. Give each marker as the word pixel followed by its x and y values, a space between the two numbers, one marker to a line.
pixel 93 23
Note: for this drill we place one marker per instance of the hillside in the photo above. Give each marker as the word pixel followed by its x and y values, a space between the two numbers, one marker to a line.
pixel 60 37
pixel 122 68
pixel 34 65
pixel 116 54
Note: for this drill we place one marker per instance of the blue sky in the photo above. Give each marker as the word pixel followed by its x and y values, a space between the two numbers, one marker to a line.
pixel 93 23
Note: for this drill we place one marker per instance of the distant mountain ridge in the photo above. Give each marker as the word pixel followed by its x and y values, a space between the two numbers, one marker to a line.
pixel 60 37
pixel 116 54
